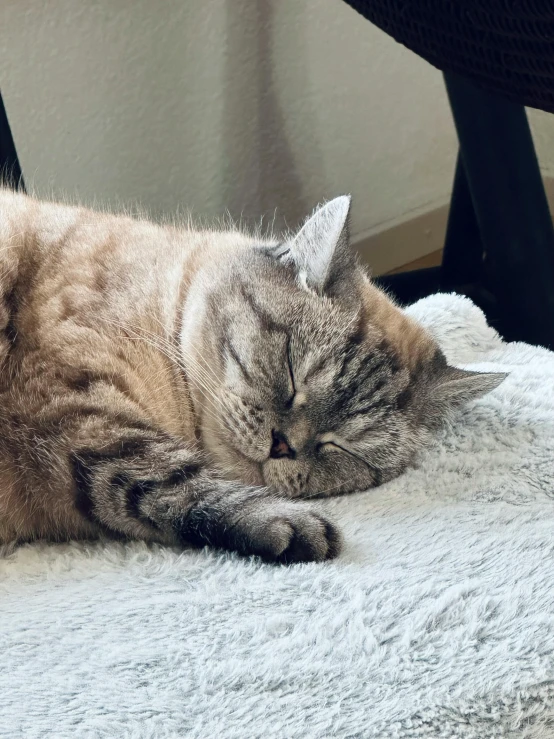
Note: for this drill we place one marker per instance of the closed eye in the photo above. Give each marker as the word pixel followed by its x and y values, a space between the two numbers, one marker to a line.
pixel 338 447
pixel 290 401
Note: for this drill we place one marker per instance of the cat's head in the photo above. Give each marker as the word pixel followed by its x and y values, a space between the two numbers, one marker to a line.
pixel 307 378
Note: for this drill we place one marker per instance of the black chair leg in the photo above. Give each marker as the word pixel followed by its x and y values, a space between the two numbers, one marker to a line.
pixel 511 210
pixel 462 258
pixel 462 268
pixel 10 170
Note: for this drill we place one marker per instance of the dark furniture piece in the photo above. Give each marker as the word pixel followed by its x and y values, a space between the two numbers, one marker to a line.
pixel 497 56
pixel 10 170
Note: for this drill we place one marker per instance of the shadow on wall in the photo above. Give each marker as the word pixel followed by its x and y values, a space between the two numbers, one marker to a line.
pixel 258 166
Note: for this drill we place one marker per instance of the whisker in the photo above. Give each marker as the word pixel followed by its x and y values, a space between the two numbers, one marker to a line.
pixel 168 351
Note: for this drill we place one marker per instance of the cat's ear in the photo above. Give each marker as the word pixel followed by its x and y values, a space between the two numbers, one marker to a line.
pixel 454 387
pixel 320 250
pixel 442 391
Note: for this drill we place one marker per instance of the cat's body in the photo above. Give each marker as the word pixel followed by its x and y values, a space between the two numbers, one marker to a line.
pixel 182 386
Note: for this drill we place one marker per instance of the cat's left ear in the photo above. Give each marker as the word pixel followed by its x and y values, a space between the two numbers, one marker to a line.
pixel 320 251
pixel 449 389
pixel 456 386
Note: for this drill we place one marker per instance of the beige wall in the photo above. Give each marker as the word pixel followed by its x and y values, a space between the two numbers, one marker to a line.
pixel 246 105
pixel 542 125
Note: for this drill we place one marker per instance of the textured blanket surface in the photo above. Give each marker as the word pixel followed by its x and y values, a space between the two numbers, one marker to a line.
pixel 436 621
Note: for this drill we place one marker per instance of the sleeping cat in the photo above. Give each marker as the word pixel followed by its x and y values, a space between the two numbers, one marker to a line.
pixel 188 387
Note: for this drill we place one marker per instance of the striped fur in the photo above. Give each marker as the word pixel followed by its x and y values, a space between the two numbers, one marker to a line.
pixel 185 386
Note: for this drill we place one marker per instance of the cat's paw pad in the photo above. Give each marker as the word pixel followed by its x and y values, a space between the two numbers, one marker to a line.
pixel 301 535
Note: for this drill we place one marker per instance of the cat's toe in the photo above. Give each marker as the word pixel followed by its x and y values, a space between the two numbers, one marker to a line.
pixel 310 538
pixel 284 531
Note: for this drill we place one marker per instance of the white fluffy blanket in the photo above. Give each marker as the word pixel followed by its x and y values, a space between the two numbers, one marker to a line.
pixel 437 620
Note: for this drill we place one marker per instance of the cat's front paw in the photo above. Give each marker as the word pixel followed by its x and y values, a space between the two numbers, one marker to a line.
pixel 286 532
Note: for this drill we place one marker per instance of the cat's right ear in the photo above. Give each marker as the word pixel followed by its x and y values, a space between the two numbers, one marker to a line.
pixel 320 251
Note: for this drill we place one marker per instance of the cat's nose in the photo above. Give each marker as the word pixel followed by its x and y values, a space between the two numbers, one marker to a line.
pixel 280 446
